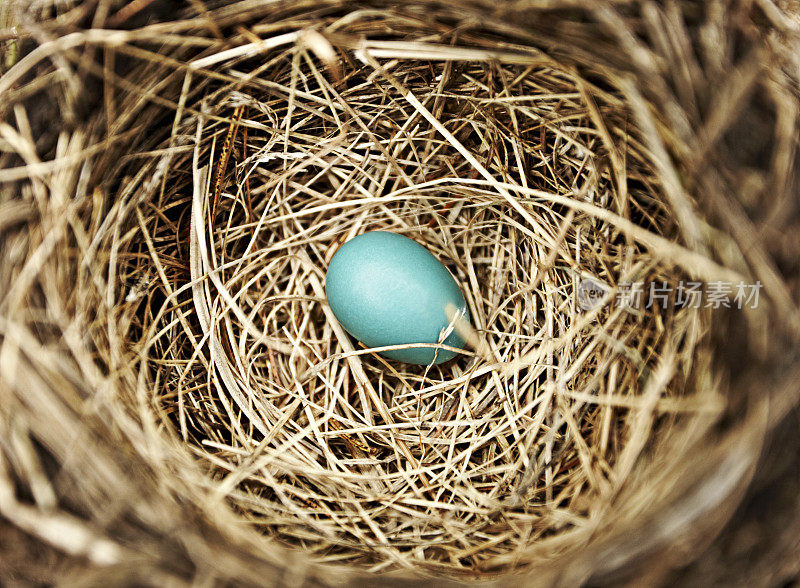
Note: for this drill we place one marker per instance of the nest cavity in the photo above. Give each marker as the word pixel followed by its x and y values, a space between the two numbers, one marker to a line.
pixel 529 183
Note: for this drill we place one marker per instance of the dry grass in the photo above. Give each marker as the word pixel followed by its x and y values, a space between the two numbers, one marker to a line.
pixel 164 336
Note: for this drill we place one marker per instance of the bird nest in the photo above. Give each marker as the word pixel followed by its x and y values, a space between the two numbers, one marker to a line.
pixel 163 287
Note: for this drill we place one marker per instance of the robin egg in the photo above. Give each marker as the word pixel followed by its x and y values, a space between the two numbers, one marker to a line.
pixel 386 289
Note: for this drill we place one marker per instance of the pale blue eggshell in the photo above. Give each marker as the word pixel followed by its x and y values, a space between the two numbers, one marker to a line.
pixel 386 289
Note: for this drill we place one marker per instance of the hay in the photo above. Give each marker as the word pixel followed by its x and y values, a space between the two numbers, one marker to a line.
pixel 180 404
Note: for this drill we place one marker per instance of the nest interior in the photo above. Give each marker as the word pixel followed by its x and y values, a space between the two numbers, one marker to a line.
pixel 181 399
pixel 373 462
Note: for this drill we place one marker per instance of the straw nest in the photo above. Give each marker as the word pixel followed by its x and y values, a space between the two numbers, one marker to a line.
pixel 179 403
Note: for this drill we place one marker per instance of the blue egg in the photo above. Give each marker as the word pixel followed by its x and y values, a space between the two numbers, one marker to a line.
pixel 386 289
